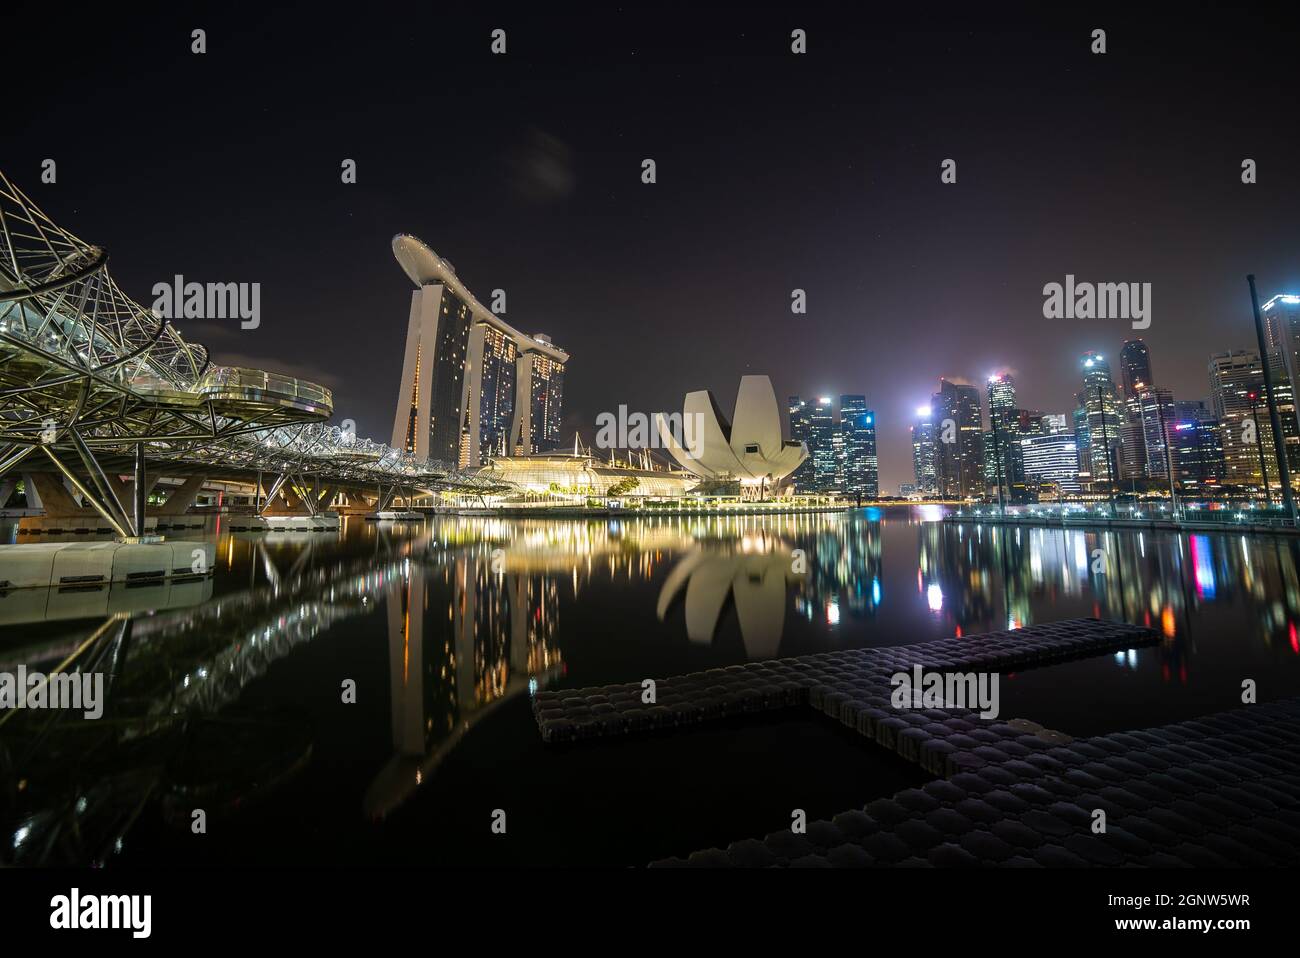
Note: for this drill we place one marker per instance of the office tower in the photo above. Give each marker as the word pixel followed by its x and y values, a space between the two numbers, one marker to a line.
pixel 906 489
pixel 924 454
pixel 858 439
pixel 1051 457
pixel 1055 422
pixel 995 469
pixel 1157 416
pixel 1135 367
pixel 1082 441
pixel 459 399
pixel 1196 442
pixel 997 442
pixel 1281 316
pixel 1237 391
pixel 802 478
pixel 1198 409
pixel 1132 442
pixel 1135 375
pixel 1099 399
pixel 822 451
pixel 1002 396
pixel 959 465
pixel 1021 424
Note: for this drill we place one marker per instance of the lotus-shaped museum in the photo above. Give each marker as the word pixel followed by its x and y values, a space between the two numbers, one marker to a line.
pixel 748 449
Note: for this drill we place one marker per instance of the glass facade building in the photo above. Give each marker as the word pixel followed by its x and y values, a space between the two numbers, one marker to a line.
pixel 860 473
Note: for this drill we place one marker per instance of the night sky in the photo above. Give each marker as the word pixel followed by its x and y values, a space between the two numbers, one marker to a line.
pixel 775 172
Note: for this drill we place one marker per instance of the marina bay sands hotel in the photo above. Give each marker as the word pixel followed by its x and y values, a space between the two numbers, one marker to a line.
pixel 472 386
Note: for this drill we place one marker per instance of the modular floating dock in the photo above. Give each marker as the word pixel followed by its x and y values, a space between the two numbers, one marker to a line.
pixel 1219 791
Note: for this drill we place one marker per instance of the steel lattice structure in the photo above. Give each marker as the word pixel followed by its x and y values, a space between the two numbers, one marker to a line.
pixel 88 375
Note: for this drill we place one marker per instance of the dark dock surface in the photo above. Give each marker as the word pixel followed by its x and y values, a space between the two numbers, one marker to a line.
pixel 1218 791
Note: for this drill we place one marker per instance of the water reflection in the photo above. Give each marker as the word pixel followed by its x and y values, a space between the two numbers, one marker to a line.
pixel 754 569
pixel 464 615
pixel 1216 587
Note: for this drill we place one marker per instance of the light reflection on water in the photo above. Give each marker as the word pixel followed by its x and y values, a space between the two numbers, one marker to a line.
pixel 463 615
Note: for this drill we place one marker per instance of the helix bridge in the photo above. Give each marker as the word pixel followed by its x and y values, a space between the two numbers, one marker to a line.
pixel 95 386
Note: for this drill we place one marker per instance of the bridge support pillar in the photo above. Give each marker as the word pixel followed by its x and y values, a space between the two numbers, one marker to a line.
pixel 182 497
pixel 53 496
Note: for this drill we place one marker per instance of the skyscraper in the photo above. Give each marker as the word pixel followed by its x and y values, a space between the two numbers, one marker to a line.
pixel 1002 396
pixel 1083 441
pixel 1157 415
pixel 860 473
pixel 1135 366
pixel 1054 422
pixel 822 449
pixel 458 399
pixel 959 465
pixel 498 354
pixel 1237 391
pixel 1196 443
pixel 803 478
pixel 1101 403
pixel 1051 457
pixel 1135 375
pixel 924 454
pixel 429 403
pixel 1281 316
pixel 539 389
pixel 1008 424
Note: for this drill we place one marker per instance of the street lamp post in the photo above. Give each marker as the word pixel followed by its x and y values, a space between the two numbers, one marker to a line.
pixel 1284 473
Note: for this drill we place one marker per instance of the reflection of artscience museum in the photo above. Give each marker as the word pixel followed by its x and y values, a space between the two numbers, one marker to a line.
pixel 747 451
pixel 755 570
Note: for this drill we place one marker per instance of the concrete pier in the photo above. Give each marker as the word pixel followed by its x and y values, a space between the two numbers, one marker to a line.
pixel 321 522
pixel 43 565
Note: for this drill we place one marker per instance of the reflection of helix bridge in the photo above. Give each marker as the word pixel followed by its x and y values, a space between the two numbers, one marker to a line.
pixel 173 730
pixel 89 380
pixel 168 732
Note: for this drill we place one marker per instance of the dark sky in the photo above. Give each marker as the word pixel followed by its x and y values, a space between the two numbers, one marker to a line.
pixel 775 171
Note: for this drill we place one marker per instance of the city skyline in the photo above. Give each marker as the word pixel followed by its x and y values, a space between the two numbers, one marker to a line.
pixel 831 436
pixel 549 204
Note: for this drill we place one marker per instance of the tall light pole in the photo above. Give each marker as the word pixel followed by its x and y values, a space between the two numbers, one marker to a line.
pixel 1284 473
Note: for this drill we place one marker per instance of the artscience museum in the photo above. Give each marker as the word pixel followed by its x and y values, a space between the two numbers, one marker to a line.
pixel 746 451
